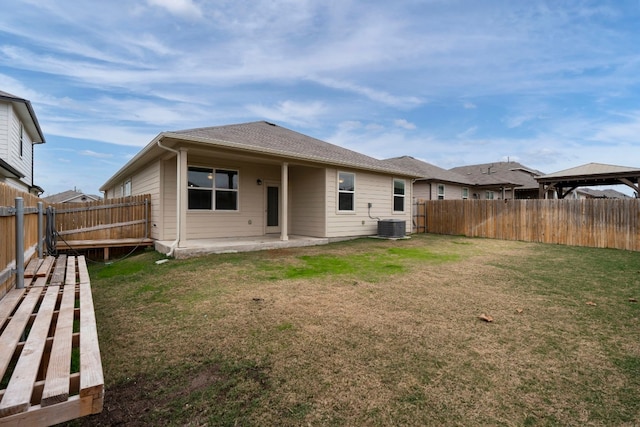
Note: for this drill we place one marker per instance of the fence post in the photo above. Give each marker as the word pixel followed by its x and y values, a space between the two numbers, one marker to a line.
pixel 40 228
pixel 19 243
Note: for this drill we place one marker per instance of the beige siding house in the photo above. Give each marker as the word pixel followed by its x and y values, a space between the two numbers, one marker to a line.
pixel 434 183
pixel 260 179
pixel 19 132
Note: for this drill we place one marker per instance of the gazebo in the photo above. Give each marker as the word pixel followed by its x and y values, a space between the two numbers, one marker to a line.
pixel 588 175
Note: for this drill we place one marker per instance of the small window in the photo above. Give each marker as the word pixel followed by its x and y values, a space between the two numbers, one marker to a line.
pixel 440 191
pixel 208 193
pixel 465 193
pixel 346 191
pixel 398 195
pixel 127 188
pixel 21 140
pixel 489 195
pixel 226 190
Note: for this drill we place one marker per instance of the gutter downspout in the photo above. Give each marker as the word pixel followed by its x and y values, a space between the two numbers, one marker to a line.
pixel 173 245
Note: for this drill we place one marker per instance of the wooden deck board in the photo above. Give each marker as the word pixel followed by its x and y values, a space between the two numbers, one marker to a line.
pixel 18 393
pixel 92 379
pixel 10 302
pixel 11 335
pixel 41 389
pixel 58 273
pixel 45 267
pixel 105 243
pixel 56 388
pixel 32 267
pixel 70 277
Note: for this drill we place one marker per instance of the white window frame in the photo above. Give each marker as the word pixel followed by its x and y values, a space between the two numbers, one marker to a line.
pixel 440 194
pixel 402 196
pixel 126 188
pixel 21 148
pixel 340 191
pixel 489 195
pixel 465 193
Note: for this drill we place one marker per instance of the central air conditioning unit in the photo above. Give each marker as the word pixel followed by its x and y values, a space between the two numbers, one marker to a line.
pixel 392 228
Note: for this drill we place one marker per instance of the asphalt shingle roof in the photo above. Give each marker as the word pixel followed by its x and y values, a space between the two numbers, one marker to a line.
pixel 427 170
pixel 500 173
pixel 268 138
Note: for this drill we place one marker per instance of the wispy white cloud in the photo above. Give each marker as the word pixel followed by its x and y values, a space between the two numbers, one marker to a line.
pixel 373 94
pixel 90 153
pixel 402 123
pixel 291 112
pixel 183 8
pixel 467 133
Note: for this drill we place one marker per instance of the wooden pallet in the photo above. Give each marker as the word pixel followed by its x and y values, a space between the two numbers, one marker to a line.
pixel 39 347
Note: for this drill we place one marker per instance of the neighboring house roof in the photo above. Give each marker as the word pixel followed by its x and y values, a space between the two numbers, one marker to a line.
pixel 500 173
pixel 592 170
pixel 25 110
pixel 428 171
pixel 70 196
pixel 264 138
pixel 602 194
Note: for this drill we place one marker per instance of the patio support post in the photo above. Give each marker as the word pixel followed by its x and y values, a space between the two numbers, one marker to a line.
pixel 182 197
pixel 285 202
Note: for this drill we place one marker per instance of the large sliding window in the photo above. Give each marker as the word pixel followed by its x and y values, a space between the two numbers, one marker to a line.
pixel 213 189
pixel 346 192
pixel 398 195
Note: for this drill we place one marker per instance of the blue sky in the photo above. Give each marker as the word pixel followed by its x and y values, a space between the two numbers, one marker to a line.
pixel 551 84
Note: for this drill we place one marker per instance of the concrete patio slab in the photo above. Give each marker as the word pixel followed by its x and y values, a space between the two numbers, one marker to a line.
pixel 199 247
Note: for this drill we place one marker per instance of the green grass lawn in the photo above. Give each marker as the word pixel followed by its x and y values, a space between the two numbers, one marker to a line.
pixel 373 333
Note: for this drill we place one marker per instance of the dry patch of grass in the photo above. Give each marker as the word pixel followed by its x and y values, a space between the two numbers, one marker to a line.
pixel 373 333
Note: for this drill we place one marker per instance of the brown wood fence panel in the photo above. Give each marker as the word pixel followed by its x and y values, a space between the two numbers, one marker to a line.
pixel 113 219
pixel 599 223
pixel 8 230
pixel 121 218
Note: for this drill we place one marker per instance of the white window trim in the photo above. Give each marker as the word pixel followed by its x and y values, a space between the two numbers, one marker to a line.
pixel 403 195
pixel 127 188
pixel 338 191
pixel 465 189
pixel 438 191
pixel 21 148
pixel 489 195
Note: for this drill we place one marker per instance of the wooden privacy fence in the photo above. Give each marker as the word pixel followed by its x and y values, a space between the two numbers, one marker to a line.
pixel 121 218
pixel 8 222
pixel 600 223
pixel 103 224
